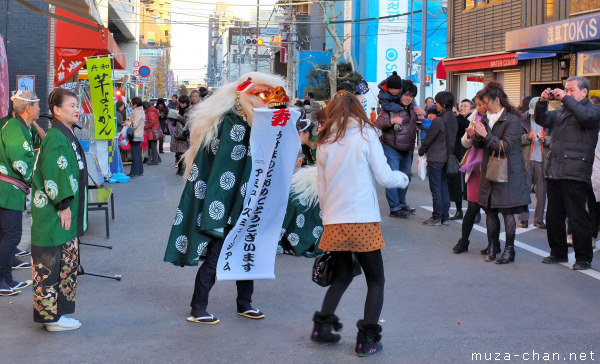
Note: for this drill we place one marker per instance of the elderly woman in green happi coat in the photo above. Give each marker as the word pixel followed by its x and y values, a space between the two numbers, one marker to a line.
pixel 59 216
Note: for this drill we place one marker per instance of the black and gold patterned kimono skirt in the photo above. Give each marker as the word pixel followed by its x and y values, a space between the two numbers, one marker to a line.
pixel 54 280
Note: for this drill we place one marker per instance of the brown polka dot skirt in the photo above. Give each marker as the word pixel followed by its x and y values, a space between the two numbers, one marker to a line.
pixel 354 237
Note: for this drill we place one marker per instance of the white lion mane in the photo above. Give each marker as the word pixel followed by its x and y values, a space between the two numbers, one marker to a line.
pixel 203 119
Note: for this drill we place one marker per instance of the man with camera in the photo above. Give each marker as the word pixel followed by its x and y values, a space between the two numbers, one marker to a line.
pixel 574 128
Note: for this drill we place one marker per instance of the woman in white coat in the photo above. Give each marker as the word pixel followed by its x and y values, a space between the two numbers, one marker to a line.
pixel 349 161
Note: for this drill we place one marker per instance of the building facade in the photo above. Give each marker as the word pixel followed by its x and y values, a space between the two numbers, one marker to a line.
pixel 528 45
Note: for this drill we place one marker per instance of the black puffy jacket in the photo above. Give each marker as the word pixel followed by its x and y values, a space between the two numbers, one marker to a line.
pixel 574 128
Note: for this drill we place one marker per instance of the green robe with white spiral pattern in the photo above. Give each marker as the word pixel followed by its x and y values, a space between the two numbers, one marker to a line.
pixel 213 194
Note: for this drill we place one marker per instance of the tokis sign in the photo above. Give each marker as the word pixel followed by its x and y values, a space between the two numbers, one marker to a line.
pixel 579 29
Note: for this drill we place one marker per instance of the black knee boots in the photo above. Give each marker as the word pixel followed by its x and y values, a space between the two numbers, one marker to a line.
pixel 324 324
pixel 368 340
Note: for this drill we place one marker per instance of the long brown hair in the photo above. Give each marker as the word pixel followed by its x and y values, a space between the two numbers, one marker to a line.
pixel 343 105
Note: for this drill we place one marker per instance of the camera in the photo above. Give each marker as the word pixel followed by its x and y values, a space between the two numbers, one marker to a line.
pixel 551 94
pixel 397 127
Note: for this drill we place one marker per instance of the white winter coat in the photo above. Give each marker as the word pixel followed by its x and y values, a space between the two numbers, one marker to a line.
pixel 347 170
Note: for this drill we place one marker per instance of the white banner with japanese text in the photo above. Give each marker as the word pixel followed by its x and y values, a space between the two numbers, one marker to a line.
pixel 249 249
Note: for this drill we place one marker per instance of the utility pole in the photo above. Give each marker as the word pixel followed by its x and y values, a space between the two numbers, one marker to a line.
pixel 410 48
pixel 257 35
pixel 291 67
pixel 423 61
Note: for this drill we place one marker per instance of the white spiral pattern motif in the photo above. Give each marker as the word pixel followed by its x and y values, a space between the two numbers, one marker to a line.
pixel 317 231
pixel 51 188
pixel 321 214
pixel 178 217
pixel 216 210
pixel 193 173
pixel 200 190
pixel 227 180
pixel 281 233
pixel 302 201
pixel 181 244
pixel 74 184
pixel 237 133
pixel 293 239
pixel 62 162
pixel 39 199
pixel 243 189
pixel 214 145
pixel 202 248
pixel 21 167
pixel 238 152
pixel 300 220
pixel 3 169
pixel 199 219
pixel 27 147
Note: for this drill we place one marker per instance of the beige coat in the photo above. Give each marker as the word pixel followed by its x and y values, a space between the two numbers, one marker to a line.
pixel 138 118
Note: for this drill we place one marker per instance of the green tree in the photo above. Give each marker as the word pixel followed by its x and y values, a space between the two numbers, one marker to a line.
pixel 319 83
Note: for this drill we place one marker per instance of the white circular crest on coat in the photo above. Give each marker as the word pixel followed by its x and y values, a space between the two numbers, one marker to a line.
pixel 227 180
pixel 3 169
pixel 216 210
pixel 293 239
pixel 62 162
pixel 193 173
pixel 200 189
pixel 39 199
pixel 178 217
pixel 51 188
pixel 237 133
pixel 214 145
pixel 317 231
pixel 74 183
pixel 300 220
pixel 181 243
pixel 202 248
pixel 238 152
pixel 281 233
pixel 26 146
pixel 21 167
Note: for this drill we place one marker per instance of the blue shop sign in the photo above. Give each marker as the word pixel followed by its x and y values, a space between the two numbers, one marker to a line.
pixel 581 29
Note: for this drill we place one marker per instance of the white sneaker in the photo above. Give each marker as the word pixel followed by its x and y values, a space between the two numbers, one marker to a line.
pixel 63 324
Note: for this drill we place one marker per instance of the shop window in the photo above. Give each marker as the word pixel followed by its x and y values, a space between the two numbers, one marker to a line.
pixel 470 4
pixel 551 13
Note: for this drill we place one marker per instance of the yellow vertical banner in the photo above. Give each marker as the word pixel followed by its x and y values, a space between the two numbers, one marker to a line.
pixel 103 104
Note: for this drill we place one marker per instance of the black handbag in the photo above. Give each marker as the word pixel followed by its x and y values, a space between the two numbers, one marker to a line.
pixel 181 133
pixel 452 165
pixel 323 272
pixel 129 132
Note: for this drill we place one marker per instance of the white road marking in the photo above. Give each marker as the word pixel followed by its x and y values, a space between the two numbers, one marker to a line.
pixel 589 272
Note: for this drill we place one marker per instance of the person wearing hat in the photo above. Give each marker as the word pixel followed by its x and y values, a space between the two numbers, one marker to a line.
pixel 535 145
pixel 432 113
pixel 398 123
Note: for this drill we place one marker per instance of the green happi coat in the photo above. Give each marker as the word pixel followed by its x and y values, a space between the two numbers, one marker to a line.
pixel 302 228
pixel 59 180
pixel 16 160
pixel 214 192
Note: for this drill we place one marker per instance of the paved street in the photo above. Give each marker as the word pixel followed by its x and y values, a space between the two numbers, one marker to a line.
pixel 439 307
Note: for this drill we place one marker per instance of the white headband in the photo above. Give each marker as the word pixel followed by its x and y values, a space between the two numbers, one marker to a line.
pixel 18 96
